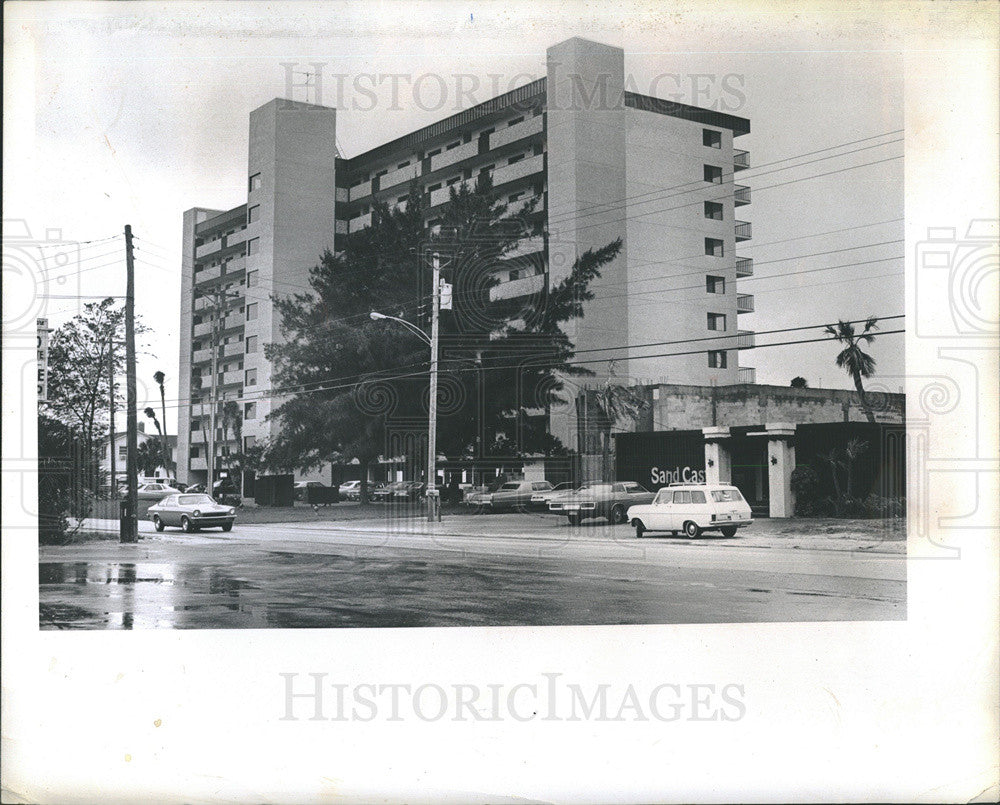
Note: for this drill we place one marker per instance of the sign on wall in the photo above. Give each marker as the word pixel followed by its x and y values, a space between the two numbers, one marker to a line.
pixel 662 458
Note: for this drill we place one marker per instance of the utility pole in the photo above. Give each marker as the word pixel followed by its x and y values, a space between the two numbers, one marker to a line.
pixel 111 416
pixel 433 498
pixel 130 527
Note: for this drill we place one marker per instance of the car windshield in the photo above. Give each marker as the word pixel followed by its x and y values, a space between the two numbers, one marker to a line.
pixel 194 500
pixel 726 495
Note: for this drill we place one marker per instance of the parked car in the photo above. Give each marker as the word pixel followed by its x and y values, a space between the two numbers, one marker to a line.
pixel 693 508
pixel 193 488
pixel 540 500
pixel 175 484
pixel 601 499
pixel 385 493
pixel 299 490
pixel 479 496
pixel 191 512
pixel 409 491
pixel 154 491
pixel 515 494
pixel 351 490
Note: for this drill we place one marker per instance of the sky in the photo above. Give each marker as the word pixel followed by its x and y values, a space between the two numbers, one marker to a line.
pixel 132 113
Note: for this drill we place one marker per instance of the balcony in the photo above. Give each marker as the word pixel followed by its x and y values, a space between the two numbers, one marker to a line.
pixel 360 191
pixel 198 464
pixel 741 160
pixel 197 437
pixel 525 286
pixel 512 134
pixel 359 223
pixel 510 173
pixel 747 374
pixel 340 227
pixel 232 378
pixel 526 246
pixel 235 348
pixel 744 231
pixel 442 195
pixel 744 303
pixel 202 302
pixel 207 274
pixel 401 176
pixel 744 266
pixel 201 356
pixel 342 194
pixel 207 248
pixel 746 339
pixel 741 194
pixel 457 154
pixel 202 329
pixel 235 320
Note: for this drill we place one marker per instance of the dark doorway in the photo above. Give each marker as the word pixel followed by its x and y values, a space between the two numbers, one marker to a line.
pixel 750 472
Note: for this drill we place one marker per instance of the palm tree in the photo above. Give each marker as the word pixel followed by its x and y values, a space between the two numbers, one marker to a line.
pixel 159 377
pixel 852 359
pixel 148 457
pixel 616 404
pixel 149 412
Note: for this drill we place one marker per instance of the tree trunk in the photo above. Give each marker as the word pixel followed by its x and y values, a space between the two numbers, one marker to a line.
pixel 864 398
pixel 363 493
pixel 163 433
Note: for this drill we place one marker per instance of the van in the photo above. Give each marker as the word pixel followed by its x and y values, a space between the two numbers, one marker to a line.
pixel 692 509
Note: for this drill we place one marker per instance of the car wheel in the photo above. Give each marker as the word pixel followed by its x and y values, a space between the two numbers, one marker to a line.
pixel 728 531
pixel 186 526
pixel 574 519
pixel 617 515
pixel 640 528
pixel 157 522
pixel 227 527
pixel 691 529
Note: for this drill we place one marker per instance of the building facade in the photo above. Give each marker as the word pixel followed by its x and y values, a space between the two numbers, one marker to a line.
pixel 604 163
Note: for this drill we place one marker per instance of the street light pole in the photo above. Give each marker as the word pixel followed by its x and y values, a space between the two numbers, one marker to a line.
pixel 433 499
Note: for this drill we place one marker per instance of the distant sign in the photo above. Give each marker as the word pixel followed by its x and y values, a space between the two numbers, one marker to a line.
pixel 43 359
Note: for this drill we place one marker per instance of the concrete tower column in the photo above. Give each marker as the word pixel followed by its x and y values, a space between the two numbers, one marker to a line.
pixel 780 463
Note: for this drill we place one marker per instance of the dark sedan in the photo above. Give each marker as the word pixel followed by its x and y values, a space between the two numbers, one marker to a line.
pixel 598 499
pixel 191 512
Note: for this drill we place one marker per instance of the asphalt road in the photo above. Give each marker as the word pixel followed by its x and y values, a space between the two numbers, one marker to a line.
pixel 502 572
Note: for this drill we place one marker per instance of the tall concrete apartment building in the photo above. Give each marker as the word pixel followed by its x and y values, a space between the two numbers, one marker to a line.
pixel 605 162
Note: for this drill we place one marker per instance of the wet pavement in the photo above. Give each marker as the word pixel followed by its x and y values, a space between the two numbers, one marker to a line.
pixel 275 577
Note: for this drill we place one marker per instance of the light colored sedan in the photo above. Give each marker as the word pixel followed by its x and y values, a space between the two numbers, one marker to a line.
pixel 541 500
pixel 154 491
pixel 351 490
pixel 191 512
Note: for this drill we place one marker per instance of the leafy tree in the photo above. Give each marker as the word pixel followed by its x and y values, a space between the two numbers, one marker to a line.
pixel 149 456
pixel 799 383
pixel 853 359
pixel 62 481
pixel 351 379
pixel 616 404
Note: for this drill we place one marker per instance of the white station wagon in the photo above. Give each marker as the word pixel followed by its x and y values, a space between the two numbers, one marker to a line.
pixel 693 508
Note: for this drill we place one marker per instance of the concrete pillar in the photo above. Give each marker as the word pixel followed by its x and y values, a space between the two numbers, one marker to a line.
pixel 718 463
pixel 780 463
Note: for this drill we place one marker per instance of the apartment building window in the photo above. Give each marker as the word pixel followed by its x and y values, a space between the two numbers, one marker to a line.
pixel 250 377
pixel 455 144
pixel 433 153
pixel 122 451
pixel 253 213
pixel 486 132
pixel 515 196
pixel 713 247
pixel 402 165
pixel 251 344
pixel 486 168
pixel 713 174
pixel 713 210
pixel 715 284
pixel 717 321
pixel 717 359
pixel 402 198
pixel 255 182
pixel 453 180
pixel 251 279
pixel 434 187
pixel 253 245
pixel 713 139
pixel 250 410
pixel 515 158
pixel 248 442
pixel 196 451
pixel 252 311
pixel 195 425
pixel 515 121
